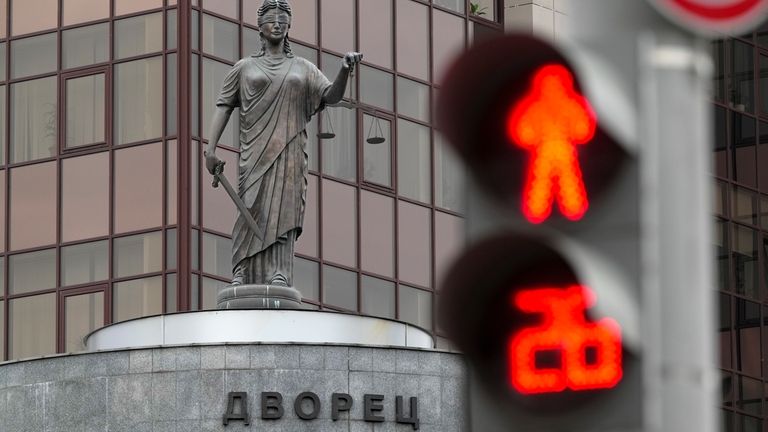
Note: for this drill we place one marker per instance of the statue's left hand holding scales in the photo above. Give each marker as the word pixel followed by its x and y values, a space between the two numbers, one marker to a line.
pixel 277 94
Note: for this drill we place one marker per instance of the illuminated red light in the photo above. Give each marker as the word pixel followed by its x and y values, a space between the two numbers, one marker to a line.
pixel 563 329
pixel 550 120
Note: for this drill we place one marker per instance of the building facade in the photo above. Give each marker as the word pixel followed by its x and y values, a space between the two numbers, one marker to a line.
pixel 106 213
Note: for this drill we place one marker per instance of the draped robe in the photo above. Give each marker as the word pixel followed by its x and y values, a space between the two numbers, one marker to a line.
pixel 277 98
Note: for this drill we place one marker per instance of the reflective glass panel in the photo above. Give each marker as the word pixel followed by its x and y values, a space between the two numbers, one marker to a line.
pixel 308 241
pixel 85 263
pixel 171 73
pixel 339 223
pixel 378 297
pixel 123 7
pixel 33 205
pixel 138 194
pixel 171 295
pixel 303 21
pixel 78 11
pixel 375 31
pixel 2 123
pixel 722 253
pixel 217 255
pixel 85 197
pixel 32 271
pixel 172 194
pixel 454 5
pixel 85 45
pixel 33 56
pixel 220 38
pixel 447 41
pixel 219 212
pixel 33 119
pixel 413 160
pixel 415 307
pixel 306 278
pixel 138 254
pixel 32 326
pixel 744 251
pixel 748 338
pixel 377 233
pixel 449 177
pixel 413 45
pixel 2 61
pixel 742 76
pixel 413 99
pixel 449 241
pixel 34 16
pixel 414 244
pixel 720 150
pixel 340 288
pixel 763 74
pixel 725 328
pixel 340 152
pixel 85 110
pixel 744 135
pixel 83 314
pixel 171 29
pixel 138 100
pixel 137 298
pixel 744 206
pixel 227 8
pixel 2 211
pixel 338 24
pixel 331 67
pixel 377 163
pixel 138 35
pixel 718 58
pixel 213 77
pixel 376 87
pixel 211 287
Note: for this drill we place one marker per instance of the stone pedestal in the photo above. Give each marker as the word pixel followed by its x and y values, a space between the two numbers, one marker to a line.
pixel 258 297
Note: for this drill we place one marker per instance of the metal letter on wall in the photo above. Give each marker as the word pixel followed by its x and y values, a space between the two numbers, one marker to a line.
pixel 232 413
pixel 271 405
pixel 413 417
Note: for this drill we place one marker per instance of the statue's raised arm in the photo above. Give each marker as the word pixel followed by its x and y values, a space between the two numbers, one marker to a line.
pixel 277 93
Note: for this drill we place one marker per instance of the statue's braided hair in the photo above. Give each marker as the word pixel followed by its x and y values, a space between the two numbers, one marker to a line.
pixel 266 7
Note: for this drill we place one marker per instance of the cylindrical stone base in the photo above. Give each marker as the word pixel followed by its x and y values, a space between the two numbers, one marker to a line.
pixel 258 297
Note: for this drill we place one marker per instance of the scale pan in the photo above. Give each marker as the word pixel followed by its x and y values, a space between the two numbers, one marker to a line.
pixel 375 140
pixel 326 135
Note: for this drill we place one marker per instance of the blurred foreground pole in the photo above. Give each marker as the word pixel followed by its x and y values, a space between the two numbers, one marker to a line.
pixel 671 72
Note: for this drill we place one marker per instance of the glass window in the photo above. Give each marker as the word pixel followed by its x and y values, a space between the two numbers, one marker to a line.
pixel 2 124
pixel 220 38
pixel 331 68
pixel 749 397
pixel 33 206
pixel 138 188
pixel 85 46
pixel 748 337
pixel 340 152
pixel 413 99
pixel 337 25
pixel 78 11
pixel 447 41
pixel 172 186
pixel 377 233
pixel 171 29
pixel 377 163
pixel 721 143
pixel 449 177
pixel 303 21
pixel 744 206
pixel 742 76
pixel 744 249
pixel 378 297
pixel 83 314
pixel 33 56
pixel 138 35
pixel 376 31
pixel 308 241
pixel 227 8
pixel 85 197
pixel 725 331
pixel 340 288
pixel 85 263
pixel 763 74
pixel 415 306
pixel 211 288
pixel 33 119
pixel 376 87
pixel 454 5
pixel 414 244
pixel 213 77
pixel 252 42
pixel 85 106
pixel 194 293
pixel 306 278
pixel 720 199
pixel 483 9
pixel 137 298
pixel 219 212
pixel 34 16
pixel 171 73
pixel 33 271
pixel 32 326
pixel 413 44
pixel 3 24
pixel 171 295
pixel 2 59
pixel 449 241
pixel 195 156
pixel 217 255
pixel 138 100
pixel 339 223
pixel 745 423
pixel 171 246
pixel 743 140
pixel 413 160
pixel 123 7
pixel 722 253
pixel 195 249
pixel 762 34
pixel 138 254
pixel 2 212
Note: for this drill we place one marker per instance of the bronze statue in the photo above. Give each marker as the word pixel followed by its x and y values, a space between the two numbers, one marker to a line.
pixel 277 93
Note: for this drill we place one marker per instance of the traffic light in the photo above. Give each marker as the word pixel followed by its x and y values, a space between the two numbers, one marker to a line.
pixel 545 300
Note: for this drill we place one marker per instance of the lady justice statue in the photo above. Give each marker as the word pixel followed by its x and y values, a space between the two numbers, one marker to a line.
pixel 277 94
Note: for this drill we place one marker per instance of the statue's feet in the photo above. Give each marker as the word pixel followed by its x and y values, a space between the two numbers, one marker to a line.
pixel 279 280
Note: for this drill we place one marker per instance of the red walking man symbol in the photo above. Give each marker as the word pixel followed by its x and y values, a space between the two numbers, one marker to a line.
pixel 549 122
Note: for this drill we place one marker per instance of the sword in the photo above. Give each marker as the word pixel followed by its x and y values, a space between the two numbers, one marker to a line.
pixel 219 177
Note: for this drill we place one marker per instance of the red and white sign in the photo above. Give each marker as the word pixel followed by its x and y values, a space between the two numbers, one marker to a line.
pixel 713 16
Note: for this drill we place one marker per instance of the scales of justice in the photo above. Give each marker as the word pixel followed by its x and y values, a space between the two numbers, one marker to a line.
pixel 277 93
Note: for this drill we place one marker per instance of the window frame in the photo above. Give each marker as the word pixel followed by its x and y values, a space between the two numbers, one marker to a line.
pixel 81 73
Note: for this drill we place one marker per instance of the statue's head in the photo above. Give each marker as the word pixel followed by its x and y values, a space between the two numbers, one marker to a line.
pixel 274 22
